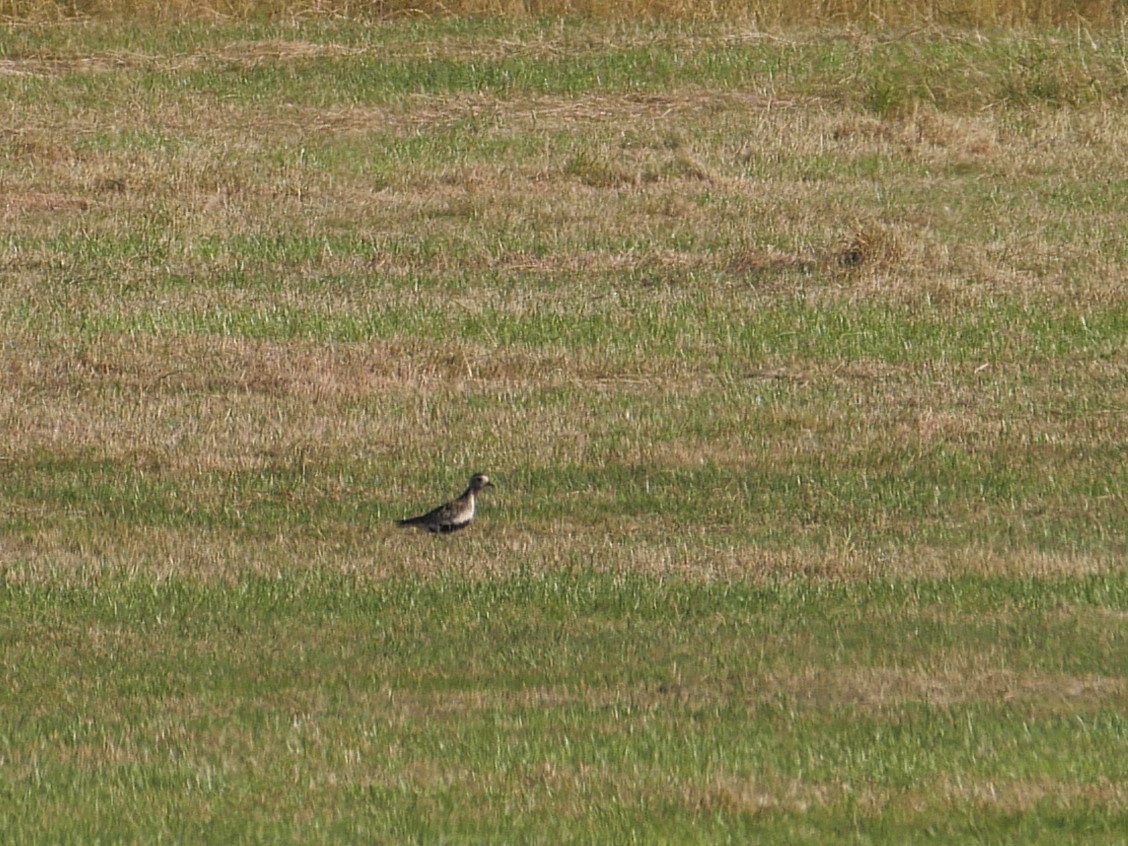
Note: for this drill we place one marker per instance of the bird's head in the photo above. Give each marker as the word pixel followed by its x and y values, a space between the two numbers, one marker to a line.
pixel 479 481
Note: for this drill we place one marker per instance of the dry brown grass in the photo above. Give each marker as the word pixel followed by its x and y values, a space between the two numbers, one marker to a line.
pixel 763 12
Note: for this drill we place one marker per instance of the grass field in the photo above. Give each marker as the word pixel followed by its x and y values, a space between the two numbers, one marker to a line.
pixel 798 360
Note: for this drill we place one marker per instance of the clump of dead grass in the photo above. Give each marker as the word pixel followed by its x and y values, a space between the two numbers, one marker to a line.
pixel 871 246
pixel 766 262
pixel 924 131
pixel 600 169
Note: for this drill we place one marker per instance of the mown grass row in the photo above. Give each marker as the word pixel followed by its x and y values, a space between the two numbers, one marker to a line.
pixel 763 12
pixel 330 64
pixel 747 469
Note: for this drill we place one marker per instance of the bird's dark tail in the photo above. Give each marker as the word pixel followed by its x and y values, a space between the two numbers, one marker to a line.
pixel 410 521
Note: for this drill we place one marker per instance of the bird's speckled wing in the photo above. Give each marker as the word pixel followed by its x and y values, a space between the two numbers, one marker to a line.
pixel 449 517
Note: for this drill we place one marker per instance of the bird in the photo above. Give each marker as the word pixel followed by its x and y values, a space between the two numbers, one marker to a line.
pixel 454 515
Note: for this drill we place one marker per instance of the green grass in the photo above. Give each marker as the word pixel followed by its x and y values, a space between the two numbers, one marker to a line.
pixel 797 360
pixel 461 710
pixel 380 64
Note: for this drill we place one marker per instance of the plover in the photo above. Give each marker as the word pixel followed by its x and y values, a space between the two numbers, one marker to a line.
pixel 454 515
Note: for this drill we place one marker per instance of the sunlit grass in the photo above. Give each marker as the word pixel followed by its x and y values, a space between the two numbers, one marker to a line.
pixel 797 361
pixel 459 14
pixel 386 704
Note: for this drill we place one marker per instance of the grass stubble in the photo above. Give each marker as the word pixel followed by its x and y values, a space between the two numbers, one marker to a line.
pixel 799 361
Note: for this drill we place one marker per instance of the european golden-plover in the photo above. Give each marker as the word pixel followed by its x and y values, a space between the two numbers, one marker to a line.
pixel 454 515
